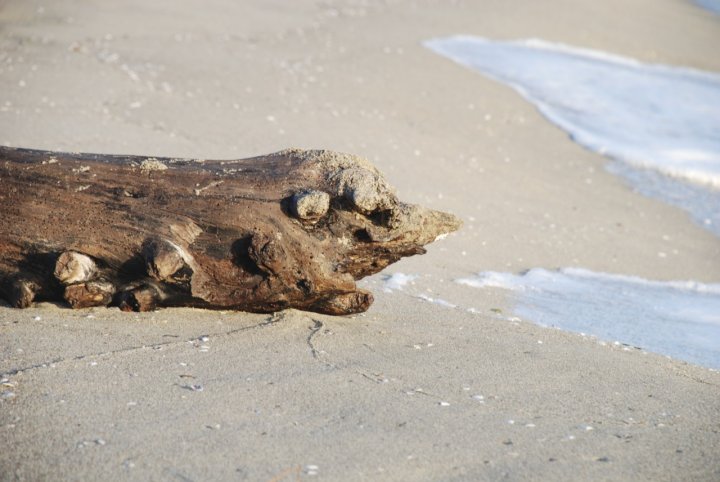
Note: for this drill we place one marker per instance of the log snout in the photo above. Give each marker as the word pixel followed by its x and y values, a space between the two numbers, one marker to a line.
pixel 291 229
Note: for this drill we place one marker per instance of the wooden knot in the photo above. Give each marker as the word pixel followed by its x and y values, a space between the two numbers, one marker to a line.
pixel 367 192
pixel 268 254
pixel 310 205
pixel 90 293
pixel 144 297
pixel 166 261
pixel 344 303
pixel 73 267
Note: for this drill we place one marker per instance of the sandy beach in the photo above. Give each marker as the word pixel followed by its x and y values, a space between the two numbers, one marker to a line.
pixel 437 381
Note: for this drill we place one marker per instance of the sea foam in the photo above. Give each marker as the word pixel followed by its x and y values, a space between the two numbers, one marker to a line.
pixel 397 281
pixel 649 117
pixel 676 318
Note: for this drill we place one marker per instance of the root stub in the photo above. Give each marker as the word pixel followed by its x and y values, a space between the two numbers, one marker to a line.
pixel 21 292
pixel 345 303
pixel 72 267
pixel 142 298
pixel 282 230
pixel 91 293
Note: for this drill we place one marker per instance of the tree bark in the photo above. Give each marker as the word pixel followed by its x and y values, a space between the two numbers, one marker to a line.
pixel 291 229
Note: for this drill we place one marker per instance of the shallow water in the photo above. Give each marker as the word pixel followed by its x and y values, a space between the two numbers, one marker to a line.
pixel 678 319
pixel 651 118
pixel 711 5
pixel 703 204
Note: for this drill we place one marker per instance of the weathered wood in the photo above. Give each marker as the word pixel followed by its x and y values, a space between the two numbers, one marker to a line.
pixel 291 229
pixel 21 291
pixel 89 293
pixel 165 261
pixel 144 297
pixel 72 267
pixel 310 205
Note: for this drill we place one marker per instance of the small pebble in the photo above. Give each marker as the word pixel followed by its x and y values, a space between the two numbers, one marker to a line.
pixel 196 388
pixel 444 404
pixel 204 338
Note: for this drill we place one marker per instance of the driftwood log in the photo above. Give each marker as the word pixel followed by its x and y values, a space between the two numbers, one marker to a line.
pixel 291 229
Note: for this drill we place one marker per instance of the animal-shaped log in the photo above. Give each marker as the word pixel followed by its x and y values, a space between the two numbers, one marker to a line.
pixel 291 229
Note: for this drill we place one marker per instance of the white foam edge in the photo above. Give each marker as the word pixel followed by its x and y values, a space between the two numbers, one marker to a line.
pixel 493 279
pixel 697 176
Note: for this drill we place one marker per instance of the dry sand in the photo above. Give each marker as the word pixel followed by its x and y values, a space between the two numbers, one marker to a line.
pixel 393 394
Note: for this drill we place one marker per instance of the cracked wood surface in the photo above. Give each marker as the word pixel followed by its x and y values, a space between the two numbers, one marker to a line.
pixel 291 229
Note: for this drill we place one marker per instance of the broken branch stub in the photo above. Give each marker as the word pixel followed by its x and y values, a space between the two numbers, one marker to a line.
pixel 90 293
pixel 291 229
pixel 72 267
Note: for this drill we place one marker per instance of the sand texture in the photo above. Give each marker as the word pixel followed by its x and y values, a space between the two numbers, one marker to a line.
pixel 420 387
